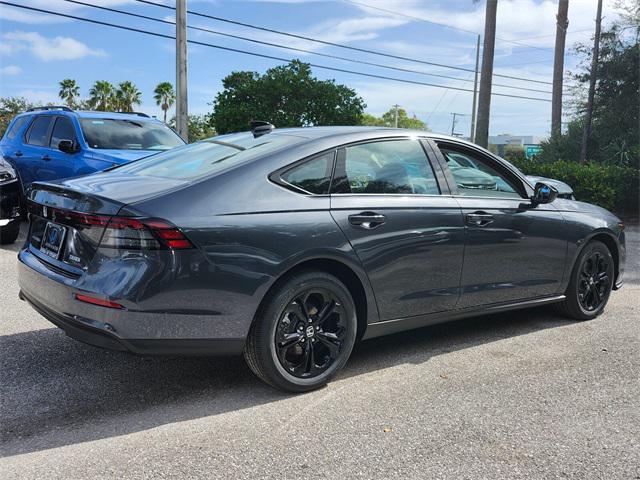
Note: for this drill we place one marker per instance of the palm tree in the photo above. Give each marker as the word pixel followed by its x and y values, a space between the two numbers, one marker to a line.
pixel 127 95
pixel 69 91
pixel 164 95
pixel 101 95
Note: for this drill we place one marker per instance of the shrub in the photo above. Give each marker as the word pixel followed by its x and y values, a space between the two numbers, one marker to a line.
pixel 612 187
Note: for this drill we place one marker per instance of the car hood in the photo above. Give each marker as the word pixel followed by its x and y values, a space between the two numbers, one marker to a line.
pixel 120 157
pixel 562 187
pixel 472 176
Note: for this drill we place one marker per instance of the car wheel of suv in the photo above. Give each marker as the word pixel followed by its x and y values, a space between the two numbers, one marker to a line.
pixel 9 233
pixel 590 284
pixel 304 334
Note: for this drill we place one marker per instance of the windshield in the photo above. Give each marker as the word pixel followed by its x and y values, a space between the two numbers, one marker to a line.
pixel 124 134
pixel 208 156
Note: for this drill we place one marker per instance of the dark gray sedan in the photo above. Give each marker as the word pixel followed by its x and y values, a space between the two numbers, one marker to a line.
pixel 290 245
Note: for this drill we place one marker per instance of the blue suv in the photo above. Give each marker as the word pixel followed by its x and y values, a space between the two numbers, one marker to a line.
pixel 49 143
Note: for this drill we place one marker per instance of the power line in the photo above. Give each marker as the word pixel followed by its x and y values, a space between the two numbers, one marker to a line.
pixel 324 42
pixel 261 55
pixel 270 44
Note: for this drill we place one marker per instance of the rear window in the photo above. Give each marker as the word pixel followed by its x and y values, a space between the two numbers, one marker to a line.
pixel 16 127
pixel 125 134
pixel 209 156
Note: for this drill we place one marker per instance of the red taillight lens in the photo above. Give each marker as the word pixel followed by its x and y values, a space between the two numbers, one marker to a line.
pixel 97 301
pixel 136 233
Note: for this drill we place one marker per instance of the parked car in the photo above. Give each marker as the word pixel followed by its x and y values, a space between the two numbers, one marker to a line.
pixel 290 245
pixel 9 203
pixel 51 143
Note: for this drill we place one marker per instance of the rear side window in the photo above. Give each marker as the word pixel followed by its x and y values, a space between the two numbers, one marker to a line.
pixel 62 130
pixel 17 127
pixel 38 133
pixel 312 176
pixel 387 167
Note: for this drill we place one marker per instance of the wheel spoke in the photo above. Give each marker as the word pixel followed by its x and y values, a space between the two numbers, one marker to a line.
pixel 331 341
pixel 326 312
pixel 289 339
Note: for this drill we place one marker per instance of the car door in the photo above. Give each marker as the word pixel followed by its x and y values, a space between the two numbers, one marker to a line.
pixel 388 200
pixel 513 250
pixel 35 149
pixel 60 164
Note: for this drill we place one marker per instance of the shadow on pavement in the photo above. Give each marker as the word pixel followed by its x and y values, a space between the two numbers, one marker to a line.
pixel 56 391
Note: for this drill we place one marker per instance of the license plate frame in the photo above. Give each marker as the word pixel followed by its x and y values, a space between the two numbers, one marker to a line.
pixel 53 239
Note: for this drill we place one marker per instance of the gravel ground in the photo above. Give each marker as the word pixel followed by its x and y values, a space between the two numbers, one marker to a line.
pixel 517 395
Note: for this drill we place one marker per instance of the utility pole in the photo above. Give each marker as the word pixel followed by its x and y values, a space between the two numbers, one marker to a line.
pixel 562 23
pixel 182 114
pixel 592 86
pixel 474 108
pixel 484 97
pixel 396 106
pixel 454 120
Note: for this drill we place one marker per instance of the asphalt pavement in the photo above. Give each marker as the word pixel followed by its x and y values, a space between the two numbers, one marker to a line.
pixel 524 394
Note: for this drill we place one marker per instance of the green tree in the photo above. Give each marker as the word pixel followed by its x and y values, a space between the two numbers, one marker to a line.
pixel 9 108
pixel 614 134
pixel 388 119
pixel 127 95
pixel 101 96
pixel 69 92
pixel 200 127
pixel 287 96
pixel 164 95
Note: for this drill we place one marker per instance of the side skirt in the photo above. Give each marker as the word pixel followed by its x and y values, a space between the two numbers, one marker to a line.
pixel 401 324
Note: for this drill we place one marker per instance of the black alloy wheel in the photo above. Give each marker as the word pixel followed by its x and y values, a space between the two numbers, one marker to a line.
pixel 590 283
pixel 304 334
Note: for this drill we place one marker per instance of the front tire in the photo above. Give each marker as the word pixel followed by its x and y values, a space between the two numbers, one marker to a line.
pixel 590 284
pixel 304 334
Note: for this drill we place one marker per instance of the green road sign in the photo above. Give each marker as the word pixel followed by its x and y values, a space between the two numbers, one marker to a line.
pixel 531 151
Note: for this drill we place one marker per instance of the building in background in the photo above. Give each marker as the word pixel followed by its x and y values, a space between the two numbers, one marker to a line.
pixel 529 143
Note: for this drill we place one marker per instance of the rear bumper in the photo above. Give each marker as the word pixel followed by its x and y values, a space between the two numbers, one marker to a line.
pixel 138 332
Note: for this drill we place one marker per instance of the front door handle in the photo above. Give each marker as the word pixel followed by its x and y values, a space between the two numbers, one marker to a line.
pixel 46 158
pixel 367 220
pixel 479 219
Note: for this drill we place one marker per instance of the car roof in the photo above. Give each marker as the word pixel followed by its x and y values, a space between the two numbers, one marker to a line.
pixel 92 114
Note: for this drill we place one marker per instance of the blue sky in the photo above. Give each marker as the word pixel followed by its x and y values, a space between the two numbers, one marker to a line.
pixel 37 51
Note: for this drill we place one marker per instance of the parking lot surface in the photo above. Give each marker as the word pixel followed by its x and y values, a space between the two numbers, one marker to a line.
pixel 525 394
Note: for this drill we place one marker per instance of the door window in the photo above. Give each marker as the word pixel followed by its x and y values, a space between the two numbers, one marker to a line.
pixel 474 176
pixel 39 131
pixel 16 127
pixel 386 167
pixel 62 130
pixel 313 176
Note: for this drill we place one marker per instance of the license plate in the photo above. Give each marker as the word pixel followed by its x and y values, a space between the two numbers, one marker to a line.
pixel 53 239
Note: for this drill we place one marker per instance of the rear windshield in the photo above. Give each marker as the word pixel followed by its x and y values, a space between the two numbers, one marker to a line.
pixel 124 134
pixel 208 156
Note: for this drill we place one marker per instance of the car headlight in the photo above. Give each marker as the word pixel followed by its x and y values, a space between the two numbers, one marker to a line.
pixel 7 172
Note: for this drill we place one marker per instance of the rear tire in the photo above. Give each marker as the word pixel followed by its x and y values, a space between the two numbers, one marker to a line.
pixel 304 334
pixel 590 284
pixel 9 233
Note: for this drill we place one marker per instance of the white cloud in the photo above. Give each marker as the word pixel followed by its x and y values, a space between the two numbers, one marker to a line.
pixel 10 70
pixel 15 14
pixel 46 49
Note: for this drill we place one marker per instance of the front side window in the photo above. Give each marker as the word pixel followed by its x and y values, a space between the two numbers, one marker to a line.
pixel 39 130
pixel 387 167
pixel 474 176
pixel 62 130
pixel 312 176
pixel 125 134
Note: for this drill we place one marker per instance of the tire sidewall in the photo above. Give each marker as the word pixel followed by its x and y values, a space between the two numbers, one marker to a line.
pixel 274 311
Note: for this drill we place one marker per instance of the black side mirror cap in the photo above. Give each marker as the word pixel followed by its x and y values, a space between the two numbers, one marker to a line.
pixel 543 193
pixel 67 146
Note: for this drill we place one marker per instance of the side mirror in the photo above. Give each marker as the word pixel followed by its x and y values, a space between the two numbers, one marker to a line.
pixel 543 193
pixel 67 146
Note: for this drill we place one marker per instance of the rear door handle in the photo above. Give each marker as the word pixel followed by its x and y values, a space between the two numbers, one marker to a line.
pixel 46 158
pixel 479 219
pixel 18 153
pixel 367 220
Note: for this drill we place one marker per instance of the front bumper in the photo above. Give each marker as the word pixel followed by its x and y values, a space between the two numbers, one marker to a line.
pixel 9 202
pixel 161 333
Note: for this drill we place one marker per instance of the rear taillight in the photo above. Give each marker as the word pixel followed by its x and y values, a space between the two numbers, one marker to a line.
pixel 142 234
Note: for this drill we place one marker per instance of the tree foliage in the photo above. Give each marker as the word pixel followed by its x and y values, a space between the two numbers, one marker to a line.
pixel 200 127
pixel 126 96
pixel 69 92
pixel 9 108
pixel 165 96
pixel 101 96
pixel 287 96
pixel 614 137
pixel 388 119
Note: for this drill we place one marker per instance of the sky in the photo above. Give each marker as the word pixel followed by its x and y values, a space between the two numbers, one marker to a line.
pixel 39 50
